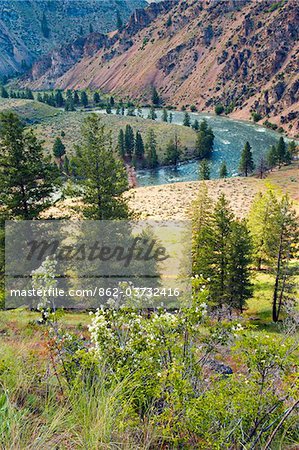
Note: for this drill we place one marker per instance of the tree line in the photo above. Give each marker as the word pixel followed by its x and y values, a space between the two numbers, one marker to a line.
pixel 227 251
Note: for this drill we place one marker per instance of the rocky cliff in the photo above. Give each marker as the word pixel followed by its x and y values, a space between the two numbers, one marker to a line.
pixel 31 28
pixel 241 54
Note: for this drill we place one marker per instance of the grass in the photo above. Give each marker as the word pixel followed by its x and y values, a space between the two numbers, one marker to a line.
pixel 50 123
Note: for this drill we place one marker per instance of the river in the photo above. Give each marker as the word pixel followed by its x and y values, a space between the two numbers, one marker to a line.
pixel 230 138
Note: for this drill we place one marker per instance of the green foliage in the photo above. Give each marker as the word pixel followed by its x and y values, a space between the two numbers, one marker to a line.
pixel 204 170
pixel 121 144
pixel 219 109
pixel 173 152
pixel 119 22
pixel 223 173
pixel 187 120
pixel 4 92
pixel 96 98
pixel 151 150
pixel 129 141
pixel 195 125
pixel 205 141
pixel 155 97
pixel 152 114
pixel 139 146
pixel 27 178
pixel 104 178
pixel 58 148
pixel 164 115
pixel 246 165
pixel 84 99
pixel 256 116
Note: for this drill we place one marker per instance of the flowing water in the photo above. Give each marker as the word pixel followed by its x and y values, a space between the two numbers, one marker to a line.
pixel 230 138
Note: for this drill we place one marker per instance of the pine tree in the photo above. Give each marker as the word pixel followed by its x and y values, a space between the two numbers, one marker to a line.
pixel 187 120
pixel 96 98
pixel 246 162
pixel 108 108
pixel 170 117
pixel 129 141
pixel 223 173
pixel 169 21
pixel 222 220
pixel 139 146
pixel 119 22
pixel 44 27
pixel 281 151
pixel 121 144
pixel 58 149
pixel 69 103
pixel 204 170
pixel 173 152
pixel 155 97
pixel 238 281
pixel 195 125
pixel 76 98
pixel 66 165
pixel 104 177
pixel 205 140
pixel 27 179
pixel 285 250
pixel 59 99
pixel 152 114
pixel 84 99
pixel 202 225
pixel 272 157
pixel 164 115
pixel 90 28
pixel 151 150
pixel 261 223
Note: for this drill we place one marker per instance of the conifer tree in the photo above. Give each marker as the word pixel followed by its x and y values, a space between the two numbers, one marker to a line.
pixel 121 144
pixel 59 99
pixel 281 151
pixel 4 92
pixel 272 157
pixel 155 97
pixel 152 114
pixel 151 150
pixel 129 141
pixel 205 140
pixel 58 149
pixel 195 125
pixel 223 173
pixel 104 178
pixel 76 98
pixel 164 115
pixel 173 152
pixel 204 170
pixel 187 120
pixel 246 165
pixel 84 99
pixel 96 98
pixel 27 177
pixel 139 146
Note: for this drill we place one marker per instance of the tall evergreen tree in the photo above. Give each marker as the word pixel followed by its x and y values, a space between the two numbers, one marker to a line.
pixel 281 151
pixel 58 149
pixel 223 173
pixel 205 140
pixel 129 141
pixel 187 120
pixel 76 98
pixel 27 178
pixel 155 97
pixel 59 99
pixel 195 125
pixel 84 99
pixel 152 114
pixel 173 152
pixel 204 170
pixel 164 115
pixel 104 177
pixel 239 285
pixel 121 144
pixel 272 157
pixel 246 165
pixel 4 92
pixel 139 146
pixel 96 98
pixel 151 150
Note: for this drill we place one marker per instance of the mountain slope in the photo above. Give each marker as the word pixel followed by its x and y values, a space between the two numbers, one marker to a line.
pixel 240 53
pixel 31 28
